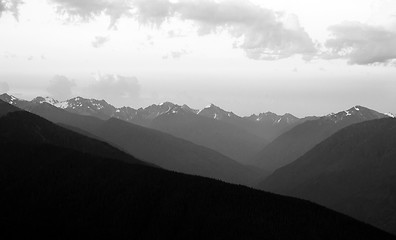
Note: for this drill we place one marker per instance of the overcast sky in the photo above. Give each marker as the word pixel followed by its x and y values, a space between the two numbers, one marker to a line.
pixel 306 57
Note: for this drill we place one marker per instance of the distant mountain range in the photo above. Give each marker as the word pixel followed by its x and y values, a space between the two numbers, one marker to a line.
pixel 353 171
pixel 294 143
pixel 237 137
pixel 58 183
pixel 144 116
pixel 150 145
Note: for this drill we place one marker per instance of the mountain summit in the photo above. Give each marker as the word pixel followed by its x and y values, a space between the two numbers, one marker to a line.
pixel 294 143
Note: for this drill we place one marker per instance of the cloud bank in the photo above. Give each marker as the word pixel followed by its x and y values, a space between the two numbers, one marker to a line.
pixel 260 32
pixel 361 43
pixel 11 6
pixel 263 34
pixel 88 9
pixel 60 87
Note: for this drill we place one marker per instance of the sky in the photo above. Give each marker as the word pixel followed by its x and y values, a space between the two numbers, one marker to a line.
pixel 304 57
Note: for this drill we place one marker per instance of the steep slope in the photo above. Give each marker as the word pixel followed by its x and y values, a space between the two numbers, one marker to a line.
pixel 174 153
pixel 6 108
pixel 13 100
pixel 58 193
pixel 353 171
pixel 154 147
pixel 294 143
pixel 223 137
pixel 26 128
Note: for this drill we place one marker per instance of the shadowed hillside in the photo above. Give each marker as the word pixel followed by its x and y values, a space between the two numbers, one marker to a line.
pixel 302 138
pixel 353 171
pixel 154 146
pixel 64 193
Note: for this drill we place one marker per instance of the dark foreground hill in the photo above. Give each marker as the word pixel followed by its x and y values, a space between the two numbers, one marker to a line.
pixel 50 189
pixel 62 193
pixel 353 171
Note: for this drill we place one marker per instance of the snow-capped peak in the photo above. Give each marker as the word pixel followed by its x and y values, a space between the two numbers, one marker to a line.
pixel 10 99
pixel 211 105
pixel 48 100
pixel 391 115
pixel 215 112
pixel 356 112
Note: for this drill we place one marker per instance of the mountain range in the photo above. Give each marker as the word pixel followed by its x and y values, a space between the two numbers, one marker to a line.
pixel 353 171
pixel 294 143
pixel 54 185
pixel 152 146
pixel 225 132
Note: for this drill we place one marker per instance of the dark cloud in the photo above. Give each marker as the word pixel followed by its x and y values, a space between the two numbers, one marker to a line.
pixel 260 32
pixel 361 44
pixel 4 87
pixel 11 6
pixel 99 41
pixel 61 87
pixel 115 87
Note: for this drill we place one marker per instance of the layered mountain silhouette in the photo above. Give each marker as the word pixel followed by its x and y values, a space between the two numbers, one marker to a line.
pixel 236 137
pixel 56 188
pixel 19 126
pixel 153 146
pixel 224 137
pixel 265 125
pixel 353 171
pixel 300 139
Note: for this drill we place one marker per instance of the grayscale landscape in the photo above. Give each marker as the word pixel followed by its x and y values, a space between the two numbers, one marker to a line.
pixel 198 119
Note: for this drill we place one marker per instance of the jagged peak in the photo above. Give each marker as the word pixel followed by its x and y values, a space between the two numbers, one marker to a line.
pixel 167 103
pixel 8 96
pixel 47 99
pixel 356 111
pixel 76 99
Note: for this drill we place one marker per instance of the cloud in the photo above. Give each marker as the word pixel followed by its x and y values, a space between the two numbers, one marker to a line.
pixel 361 44
pixel 260 32
pixel 152 11
pixel 4 87
pixel 115 87
pixel 60 87
pixel 88 9
pixel 99 41
pixel 175 54
pixel 11 6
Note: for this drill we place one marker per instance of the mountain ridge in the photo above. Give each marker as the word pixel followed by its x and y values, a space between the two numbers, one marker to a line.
pixel 61 193
pixel 300 139
pixel 352 171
